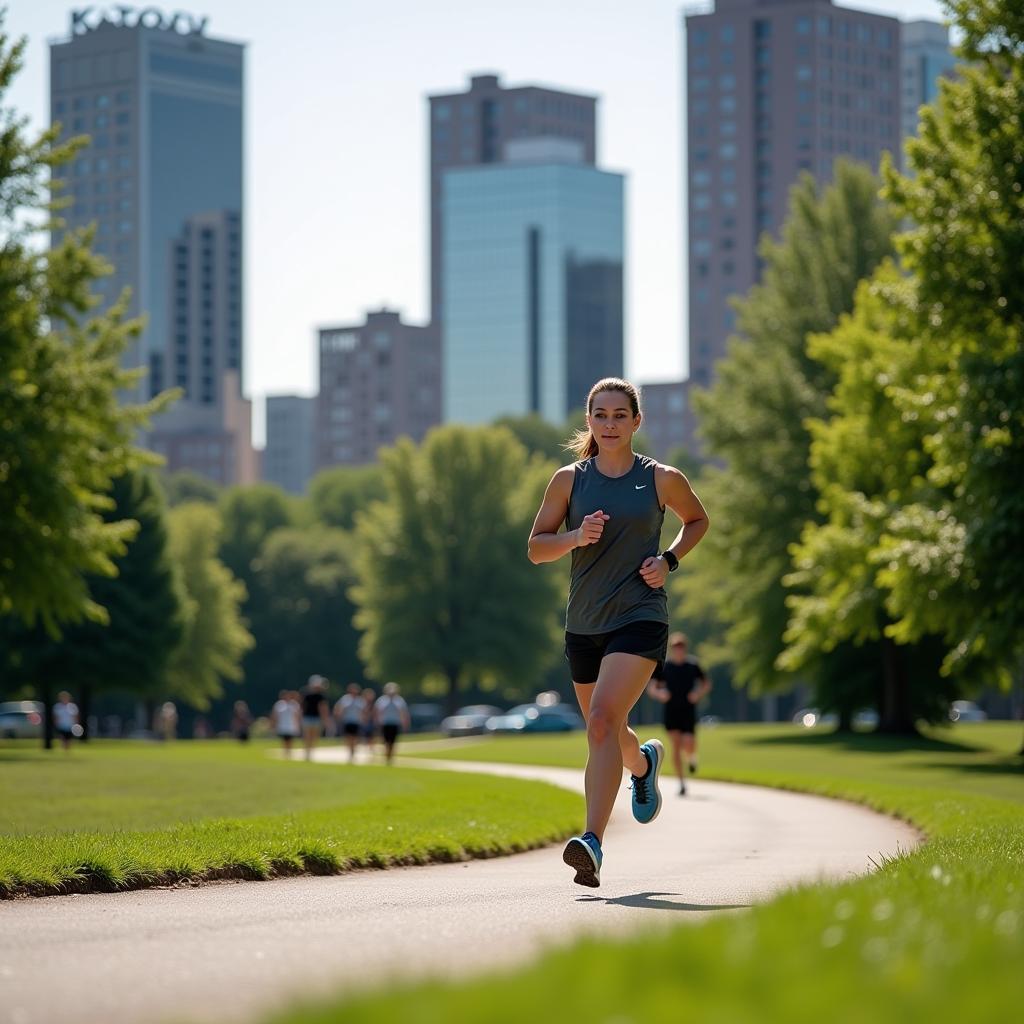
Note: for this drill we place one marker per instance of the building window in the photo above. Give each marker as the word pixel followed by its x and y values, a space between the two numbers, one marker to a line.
pixel 727 104
pixel 700 106
pixel 702 247
pixel 763 56
pixel 764 79
pixel 700 179
pixel 701 83
pixel 804 73
pixel 727 151
pixel 701 201
pixel 727 35
pixel 762 29
pixel 728 175
pixel 103 100
pixel 701 61
pixel 803 26
pixel 725 58
pixel 726 82
pixel 727 127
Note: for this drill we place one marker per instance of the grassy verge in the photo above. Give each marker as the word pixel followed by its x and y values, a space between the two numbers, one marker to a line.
pixel 126 815
pixel 937 935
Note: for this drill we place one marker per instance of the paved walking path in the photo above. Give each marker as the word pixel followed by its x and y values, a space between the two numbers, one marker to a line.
pixel 232 951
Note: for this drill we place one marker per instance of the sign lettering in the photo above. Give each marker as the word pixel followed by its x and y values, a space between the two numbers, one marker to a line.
pixel 88 19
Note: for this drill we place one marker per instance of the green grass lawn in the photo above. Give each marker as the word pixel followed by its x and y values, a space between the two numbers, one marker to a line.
pixel 933 936
pixel 126 815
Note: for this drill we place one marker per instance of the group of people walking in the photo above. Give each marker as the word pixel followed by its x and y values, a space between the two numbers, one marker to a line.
pixel 359 716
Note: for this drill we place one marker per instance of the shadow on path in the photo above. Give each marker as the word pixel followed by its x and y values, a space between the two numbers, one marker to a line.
pixel 649 901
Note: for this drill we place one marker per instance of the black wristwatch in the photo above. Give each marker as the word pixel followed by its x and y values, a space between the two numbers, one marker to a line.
pixel 673 562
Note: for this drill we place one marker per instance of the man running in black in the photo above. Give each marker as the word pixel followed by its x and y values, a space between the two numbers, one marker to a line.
pixel 680 686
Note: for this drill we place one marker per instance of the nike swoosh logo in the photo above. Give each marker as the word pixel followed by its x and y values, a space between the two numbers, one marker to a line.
pixel 640 487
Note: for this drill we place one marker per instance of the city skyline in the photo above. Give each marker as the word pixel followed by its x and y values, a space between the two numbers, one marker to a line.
pixel 335 234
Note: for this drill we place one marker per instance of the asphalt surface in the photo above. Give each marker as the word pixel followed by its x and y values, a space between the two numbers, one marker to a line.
pixel 234 951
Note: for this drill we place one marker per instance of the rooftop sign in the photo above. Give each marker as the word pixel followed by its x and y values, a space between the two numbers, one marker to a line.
pixel 88 19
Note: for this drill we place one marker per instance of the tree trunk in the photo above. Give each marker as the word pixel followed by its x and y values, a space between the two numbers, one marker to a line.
pixel 45 695
pixel 84 707
pixel 451 699
pixel 895 715
pixel 845 720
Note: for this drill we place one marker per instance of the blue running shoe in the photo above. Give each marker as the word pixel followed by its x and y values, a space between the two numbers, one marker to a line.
pixel 584 854
pixel 646 796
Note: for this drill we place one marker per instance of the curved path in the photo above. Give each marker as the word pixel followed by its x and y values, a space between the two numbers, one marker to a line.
pixel 232 951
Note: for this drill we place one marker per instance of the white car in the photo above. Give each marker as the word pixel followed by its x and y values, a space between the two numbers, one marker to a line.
pixel 21 719
pixel 966 711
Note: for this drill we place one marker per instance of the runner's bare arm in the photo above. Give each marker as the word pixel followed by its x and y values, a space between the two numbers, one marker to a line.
pixel 674 492
pixel 546 543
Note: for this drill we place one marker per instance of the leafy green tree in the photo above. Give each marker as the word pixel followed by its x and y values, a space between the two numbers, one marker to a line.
pixel 337 494
pixel 538 436
pixel 754 421
pixel 300 613
pixel 64 436
pixel 249 515
pixel 132 649
pixel 444 589
pixel 869 461
pixel 184 485
pixel 919 467
pixel 950 567
pixel 215 638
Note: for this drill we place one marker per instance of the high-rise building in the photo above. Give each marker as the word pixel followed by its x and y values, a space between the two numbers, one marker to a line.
pixel 481 126
pixel 162 178
pixel 667 418
pixel 925 57
pixel 774 88
pixel 379 381
pixel 288 455
pixel 204 311
pixel 533 297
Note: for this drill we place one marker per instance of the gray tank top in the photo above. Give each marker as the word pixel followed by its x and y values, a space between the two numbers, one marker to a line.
pixel 606 590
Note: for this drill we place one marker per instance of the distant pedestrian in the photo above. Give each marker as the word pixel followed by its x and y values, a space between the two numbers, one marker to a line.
pixel 367 723
pixel 680 685
pixel 348 714
pixel 241 721
pixel 285 719
pixel 166 724
pixel 315 717
pixel 391 714
pixel 612 504
pixel 65 719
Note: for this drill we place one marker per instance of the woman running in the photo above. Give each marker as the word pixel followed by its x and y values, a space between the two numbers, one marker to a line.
pixel 612 502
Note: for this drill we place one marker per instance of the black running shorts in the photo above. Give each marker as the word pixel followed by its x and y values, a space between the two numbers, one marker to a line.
pixel 584 651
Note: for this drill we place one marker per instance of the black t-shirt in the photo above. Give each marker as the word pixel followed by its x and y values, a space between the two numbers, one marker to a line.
pixel 680 680
pixel 311 704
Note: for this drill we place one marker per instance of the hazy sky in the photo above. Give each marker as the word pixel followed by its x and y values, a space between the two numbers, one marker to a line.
pixel 336 163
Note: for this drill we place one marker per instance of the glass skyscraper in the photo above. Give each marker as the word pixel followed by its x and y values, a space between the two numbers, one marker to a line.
pixel 163 106
pixel 533 286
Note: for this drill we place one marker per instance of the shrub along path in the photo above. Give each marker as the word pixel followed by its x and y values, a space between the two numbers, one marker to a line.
pixel 226 952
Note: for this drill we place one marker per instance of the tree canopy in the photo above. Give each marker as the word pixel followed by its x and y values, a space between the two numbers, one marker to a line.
pixel 444 588
pixel 65 433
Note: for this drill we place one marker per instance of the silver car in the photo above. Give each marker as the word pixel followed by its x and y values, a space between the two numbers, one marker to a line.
pixel 21 719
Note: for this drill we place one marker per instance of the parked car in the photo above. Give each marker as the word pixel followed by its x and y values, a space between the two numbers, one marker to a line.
pixel 966 711
pixel 809 718
pixel 536 718
pixel 470 720
pixel 21 719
